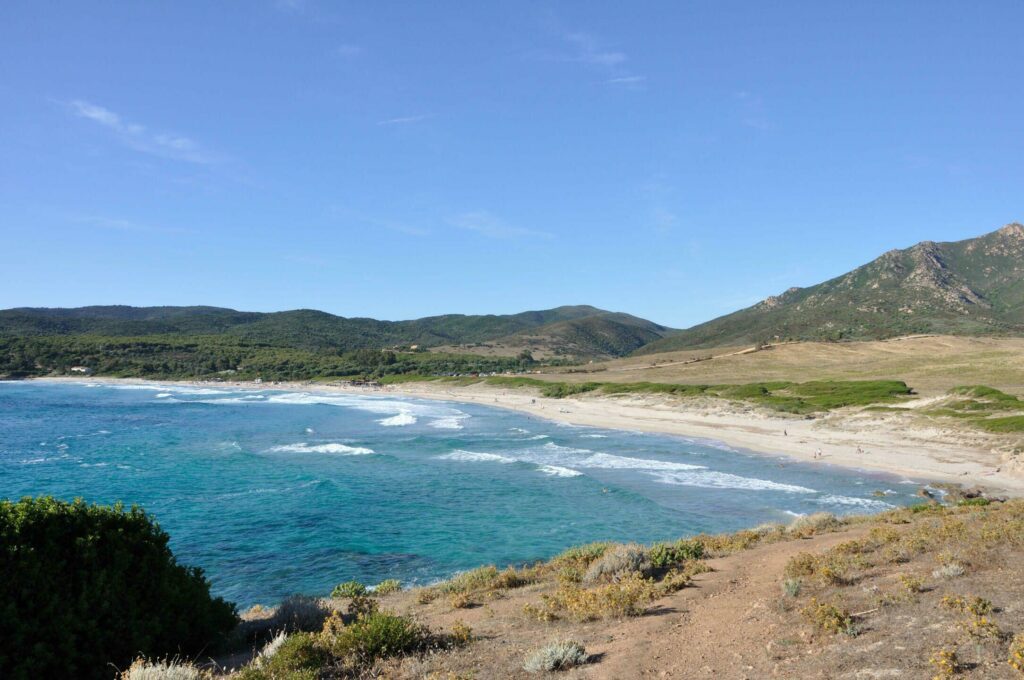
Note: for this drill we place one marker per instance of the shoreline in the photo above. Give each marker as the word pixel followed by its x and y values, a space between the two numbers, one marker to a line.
pixel 865 442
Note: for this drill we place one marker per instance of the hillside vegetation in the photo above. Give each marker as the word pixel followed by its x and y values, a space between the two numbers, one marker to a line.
pixel 582 331
pixel 970 287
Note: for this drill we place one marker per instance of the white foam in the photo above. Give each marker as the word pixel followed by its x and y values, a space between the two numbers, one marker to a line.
pixel 475 457
pixel 595 436
pixel 519 430
pixel 400 420
pixel 163 395
pixel 711 479
pixel 536 437
pixel 340 449
pixel 449 422
pixel 853 502
pixel 558 471
pixel 612 462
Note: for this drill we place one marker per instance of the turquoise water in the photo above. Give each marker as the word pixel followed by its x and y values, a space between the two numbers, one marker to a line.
pixel 277 492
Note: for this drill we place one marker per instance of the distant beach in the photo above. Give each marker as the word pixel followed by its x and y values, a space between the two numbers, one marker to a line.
pixel 860 441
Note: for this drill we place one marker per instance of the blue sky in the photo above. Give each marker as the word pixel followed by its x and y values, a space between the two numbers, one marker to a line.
pixel 395 160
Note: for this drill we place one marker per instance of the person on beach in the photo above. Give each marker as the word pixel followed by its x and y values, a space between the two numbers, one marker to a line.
pixel 817 453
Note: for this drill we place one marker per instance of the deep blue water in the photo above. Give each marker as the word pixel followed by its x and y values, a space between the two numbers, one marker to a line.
pixel 278 492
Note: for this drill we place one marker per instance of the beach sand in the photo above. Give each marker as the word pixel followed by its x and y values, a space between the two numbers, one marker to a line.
pixel 897 443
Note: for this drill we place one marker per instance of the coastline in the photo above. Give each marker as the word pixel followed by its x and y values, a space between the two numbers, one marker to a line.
pixel 865 441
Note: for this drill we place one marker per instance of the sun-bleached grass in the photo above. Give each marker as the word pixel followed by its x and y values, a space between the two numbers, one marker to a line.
pixel 169 669
pixel 557 656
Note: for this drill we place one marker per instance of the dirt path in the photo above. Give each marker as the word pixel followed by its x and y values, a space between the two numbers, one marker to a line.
pixel 735 608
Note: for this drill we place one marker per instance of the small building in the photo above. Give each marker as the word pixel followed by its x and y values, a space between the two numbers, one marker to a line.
pixel 84 370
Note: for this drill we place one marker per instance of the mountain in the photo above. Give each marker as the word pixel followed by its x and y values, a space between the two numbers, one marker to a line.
pixel 580 330
pixel 970 287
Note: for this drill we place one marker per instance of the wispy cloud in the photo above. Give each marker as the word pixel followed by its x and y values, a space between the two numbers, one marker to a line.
pixel 589 50
pixel 123 225
pixel 403 120
pixel 343 213
pixel 138 137
pixel 627 80
pixel 348 51
pixel 752 110
pixel 486 224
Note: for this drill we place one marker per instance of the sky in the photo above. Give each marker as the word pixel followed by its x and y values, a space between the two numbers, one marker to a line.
pixel 675 160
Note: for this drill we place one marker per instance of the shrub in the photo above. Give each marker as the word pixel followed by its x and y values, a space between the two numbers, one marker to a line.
pixel 348 589
pixel 829 617
pixel 618 562
pixel 947 571
pixel 362 605
pixel 461 633
pixel 270 649
pixel 947 664
pixel 813 524
pixel 626 597
pixel 1016 659
pixel 163 670
pixel 299 657
pixel 557 656
pixel 474 579
pixel 792 587
pixel 664 555
pixel 377 636
pixel 85 586
pixel 300 613
pixel 388 586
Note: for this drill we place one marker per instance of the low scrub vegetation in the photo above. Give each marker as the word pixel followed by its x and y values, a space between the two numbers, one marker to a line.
pixel 557 656
pixel 983 407
pixel 799 398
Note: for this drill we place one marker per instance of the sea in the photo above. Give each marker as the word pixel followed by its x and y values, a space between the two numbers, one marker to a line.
pixel 274 492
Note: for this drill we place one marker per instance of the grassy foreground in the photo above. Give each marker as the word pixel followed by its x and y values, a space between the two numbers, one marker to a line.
pixel 927 591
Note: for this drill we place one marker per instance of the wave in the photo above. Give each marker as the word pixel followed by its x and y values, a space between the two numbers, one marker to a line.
pixel 711 479
pixel 340 449
pixel 854 502
pixel 594 436
pixel 449 422
pixel 475 457
pixel 558 471
pixel 399 420
pixel 609 461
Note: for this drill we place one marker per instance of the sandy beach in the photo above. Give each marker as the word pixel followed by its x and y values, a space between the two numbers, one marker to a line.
pixel 897 443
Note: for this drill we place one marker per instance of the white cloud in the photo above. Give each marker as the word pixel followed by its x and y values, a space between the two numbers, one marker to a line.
pixel 486 224
pixel 167 145
pixel 348 50
pixel 627 80
pixel 402 120
pixel 589 51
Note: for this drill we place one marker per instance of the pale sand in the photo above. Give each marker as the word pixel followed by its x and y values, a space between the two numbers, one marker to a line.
pixel 894 443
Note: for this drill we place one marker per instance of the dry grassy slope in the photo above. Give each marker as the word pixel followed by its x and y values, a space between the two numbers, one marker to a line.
pixel 739 621
pixel 931 364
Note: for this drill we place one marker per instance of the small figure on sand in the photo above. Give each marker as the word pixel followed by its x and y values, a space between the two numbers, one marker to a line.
pixel 817 453
pixel 784 433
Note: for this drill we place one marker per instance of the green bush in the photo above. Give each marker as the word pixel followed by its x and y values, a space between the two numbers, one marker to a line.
pixel 388 586
pixel 299 657
pixel 348 589
pixel 663 555
pixel 85 586
pixel 377 636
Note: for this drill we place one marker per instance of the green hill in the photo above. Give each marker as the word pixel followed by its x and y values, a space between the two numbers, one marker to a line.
pixel 581 331
pixel 970 287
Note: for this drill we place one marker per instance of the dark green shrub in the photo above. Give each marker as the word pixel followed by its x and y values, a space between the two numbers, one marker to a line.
pixel 377 636
pixel 663 555
pixel 85 586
